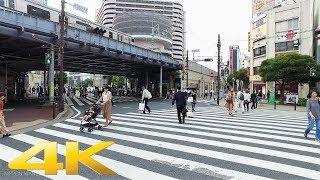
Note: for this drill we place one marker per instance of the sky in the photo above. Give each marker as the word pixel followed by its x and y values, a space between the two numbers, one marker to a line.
pixel 205 19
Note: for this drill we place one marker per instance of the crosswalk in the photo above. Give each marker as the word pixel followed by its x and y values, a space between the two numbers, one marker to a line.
pixel 263 144
pixel 76 101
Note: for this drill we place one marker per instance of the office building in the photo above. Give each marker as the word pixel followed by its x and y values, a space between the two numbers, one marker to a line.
pixel 173 10
pixel 277 28
pixel 234 59
pixel 149 30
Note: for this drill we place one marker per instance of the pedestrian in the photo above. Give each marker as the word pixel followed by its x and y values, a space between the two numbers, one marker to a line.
pixel 240 101
pixel 194 102
pixel 211 94
pixel 246 101
pixel 205 94
pixel 230 102
pixel 146 95
pixel 254 100
pixel 313 112
pixel 181 102
pixel 3 128
pixel 106 98
pixel 259 99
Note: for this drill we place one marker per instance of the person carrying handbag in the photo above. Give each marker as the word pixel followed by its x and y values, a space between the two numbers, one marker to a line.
pixel 230 102
pixel 146 95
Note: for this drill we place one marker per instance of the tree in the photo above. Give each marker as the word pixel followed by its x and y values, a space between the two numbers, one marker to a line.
pixel 57 77
pixel 288 69
pixel 240 75
pixel 118 81
pixel 88 82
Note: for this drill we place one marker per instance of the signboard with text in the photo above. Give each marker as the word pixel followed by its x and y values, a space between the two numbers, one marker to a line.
pixel 259 33
pixel 260 7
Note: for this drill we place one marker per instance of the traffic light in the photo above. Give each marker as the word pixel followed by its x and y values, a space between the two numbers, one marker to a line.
pixel 313 72
pixel 47 59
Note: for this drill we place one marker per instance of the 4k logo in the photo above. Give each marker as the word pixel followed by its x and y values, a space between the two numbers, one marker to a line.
pixel 50 163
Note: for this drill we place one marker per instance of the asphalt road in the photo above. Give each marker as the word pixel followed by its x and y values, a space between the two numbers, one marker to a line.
pixel 262 144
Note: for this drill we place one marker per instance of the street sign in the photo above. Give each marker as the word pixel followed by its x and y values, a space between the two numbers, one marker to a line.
pixel 80 8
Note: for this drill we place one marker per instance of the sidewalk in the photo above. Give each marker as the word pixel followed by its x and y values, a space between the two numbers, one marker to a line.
pixel 30 112
pixel 270 107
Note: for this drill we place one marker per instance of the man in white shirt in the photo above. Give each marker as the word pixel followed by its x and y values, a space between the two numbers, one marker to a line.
pixel 247 98
pixel 240 100
pixel 145 98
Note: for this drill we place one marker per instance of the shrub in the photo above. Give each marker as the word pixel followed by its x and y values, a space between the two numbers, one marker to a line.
pixel 302 102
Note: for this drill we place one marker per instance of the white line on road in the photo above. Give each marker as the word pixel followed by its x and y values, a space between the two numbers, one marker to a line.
pixel 78 112
pixel 78 101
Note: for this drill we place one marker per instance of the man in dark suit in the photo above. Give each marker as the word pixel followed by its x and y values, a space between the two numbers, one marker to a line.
pixel 181 100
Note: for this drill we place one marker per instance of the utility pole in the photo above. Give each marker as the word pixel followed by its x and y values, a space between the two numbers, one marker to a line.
pixel 219 73
pixel 61 53
pixel 187 65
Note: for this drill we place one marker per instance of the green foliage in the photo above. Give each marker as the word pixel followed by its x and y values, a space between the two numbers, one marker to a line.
pixel 88 82
pixel 240 75
pixel 118 81
pixel 302 102
pixel 57 77
pixel 230 79
pixel 287 69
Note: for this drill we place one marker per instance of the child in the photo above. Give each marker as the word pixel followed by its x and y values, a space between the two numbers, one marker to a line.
pixel 88 114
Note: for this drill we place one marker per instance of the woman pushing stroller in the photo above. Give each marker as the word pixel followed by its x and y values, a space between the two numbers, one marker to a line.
pixel 106 98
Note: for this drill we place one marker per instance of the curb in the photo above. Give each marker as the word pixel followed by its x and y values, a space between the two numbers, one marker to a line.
pixel 67 113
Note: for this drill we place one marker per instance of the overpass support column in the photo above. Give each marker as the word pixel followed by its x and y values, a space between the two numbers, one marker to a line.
pixel 147 79
pixel 160 85
pixel 51 76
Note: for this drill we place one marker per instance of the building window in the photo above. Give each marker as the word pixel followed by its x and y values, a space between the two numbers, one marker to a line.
pixel 256 70
pixel 34 11
pixel 7 3
pixel 286 46
pixel 259 51
pixel 11 4
pixel 293 24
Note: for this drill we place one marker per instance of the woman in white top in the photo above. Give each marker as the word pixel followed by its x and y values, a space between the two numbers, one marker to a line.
pixel 106 98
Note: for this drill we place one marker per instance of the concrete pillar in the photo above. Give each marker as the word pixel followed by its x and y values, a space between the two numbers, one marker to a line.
pixel 51 76
pixel 160 85
pixel 147 80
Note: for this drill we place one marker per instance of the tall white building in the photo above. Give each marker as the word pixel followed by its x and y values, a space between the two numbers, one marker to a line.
pixel 106 15
pixel 280 27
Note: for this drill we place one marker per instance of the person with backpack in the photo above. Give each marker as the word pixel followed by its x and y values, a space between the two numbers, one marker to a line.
pixel 240 100
pixel 146 95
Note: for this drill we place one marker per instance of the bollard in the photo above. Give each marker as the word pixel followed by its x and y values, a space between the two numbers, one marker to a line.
pixel 275 105
pixel 295 105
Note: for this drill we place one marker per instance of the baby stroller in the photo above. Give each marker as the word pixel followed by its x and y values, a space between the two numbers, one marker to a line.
pixel 89 119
